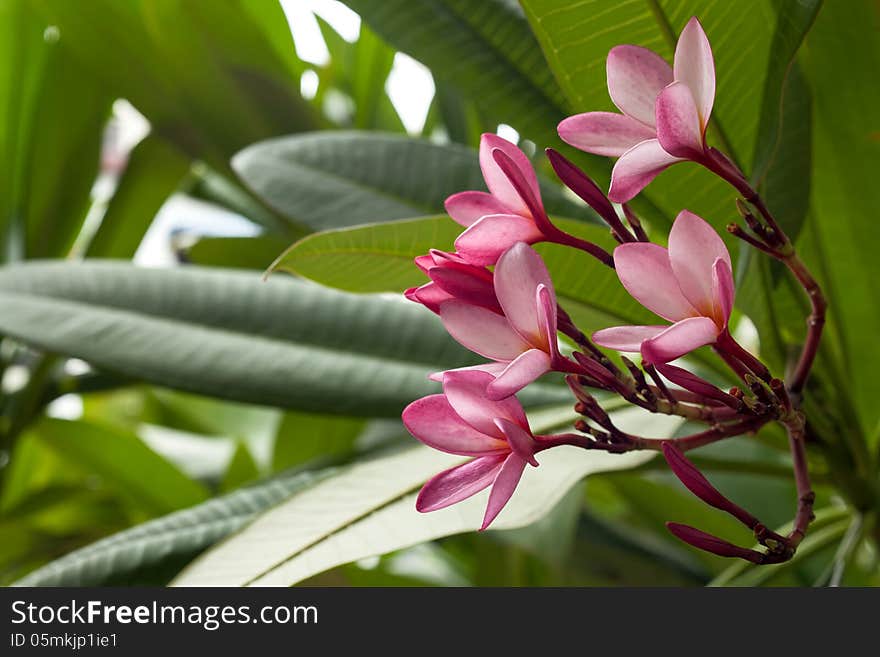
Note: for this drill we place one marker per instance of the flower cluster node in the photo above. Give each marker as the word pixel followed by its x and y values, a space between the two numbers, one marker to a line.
pixel 495 295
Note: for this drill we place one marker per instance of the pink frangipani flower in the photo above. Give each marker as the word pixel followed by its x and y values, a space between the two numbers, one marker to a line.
pixel 464 420
pixel 665 111
pixel 522 340
pixel 690 284
pixel 453 278
pixel 510 212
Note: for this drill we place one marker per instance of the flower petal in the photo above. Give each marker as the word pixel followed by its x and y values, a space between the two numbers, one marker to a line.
pixel 547 316
pixel 485 241
pixel 626 338
pixel 497 182
pixel 645 272
pixel 492 368
pixel 524 369
pixel 679 339
pixel 467 394
pixel 635 77
pixel 695 66
pixel 694 246
pixel 604 133
pixel 723 291
pixel 466 207
pixel 482 331
pixel 468 283
pixel 678 125
pixel 519 272
pixel 636 168
pixel 459 483
pixel 433 421
pixel 521 441
pixel 429 295
pixel 424 262
pixel 502 488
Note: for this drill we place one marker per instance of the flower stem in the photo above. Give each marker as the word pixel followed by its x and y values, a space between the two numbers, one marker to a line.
pixel 804 515
pixel 731 347
pixel 815 323
pixel 632 443
pixel 783 250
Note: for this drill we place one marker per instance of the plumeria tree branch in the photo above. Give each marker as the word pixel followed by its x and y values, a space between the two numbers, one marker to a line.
pixel 495 296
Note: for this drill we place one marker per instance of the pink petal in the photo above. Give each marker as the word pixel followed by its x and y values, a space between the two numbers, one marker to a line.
pixel 485 241
pixel 466 207
pixel 482 331
pixel 524 369
pixel 626 338
pixel 547 316
pixel 467 394
pixel 604 133
pixel 645 272
pixel 424 262
pixel 636 168
pixel 434 422
pixel 679 339
pixel 459 483
pixel 723 291
pixel 492 368
pixel 635 77
pixel 467 283
pixel 521 441
pixel 502 488
pixel 695 66
pixel 436 257
pixel 429 295
pixel 694 246
pixel 495 179
pixel 519 272
pixel 678 124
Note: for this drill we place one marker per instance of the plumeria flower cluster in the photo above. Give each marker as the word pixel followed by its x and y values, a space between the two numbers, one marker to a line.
pixel 494 294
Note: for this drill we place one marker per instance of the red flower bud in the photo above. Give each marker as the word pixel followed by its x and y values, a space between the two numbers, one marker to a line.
pixel 713 544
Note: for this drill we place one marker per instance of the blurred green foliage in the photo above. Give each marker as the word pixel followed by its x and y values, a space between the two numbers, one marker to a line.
pixel 146 415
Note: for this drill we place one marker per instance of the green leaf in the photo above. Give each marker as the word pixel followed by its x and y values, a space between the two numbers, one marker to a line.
pixel 360 70
pixel 484 49
pixel 241 469
pixel 369 258
pixel 795 20
pixel 302 437
pixel 226 191
pixel 332 180
pixel 845 194
pixel 52 115
pixel 227 334
pixel 122 459
pixel 369 509
pixel 152 551
pixel 379 258
pixel 238 252
pixel 155 169
pixel 211 77
pixel 457 116
pixel 207 416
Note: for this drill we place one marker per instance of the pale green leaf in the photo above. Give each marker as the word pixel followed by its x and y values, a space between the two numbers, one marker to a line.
pixel 369 509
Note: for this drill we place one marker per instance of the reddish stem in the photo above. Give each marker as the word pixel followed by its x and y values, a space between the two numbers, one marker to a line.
pixel 731 347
